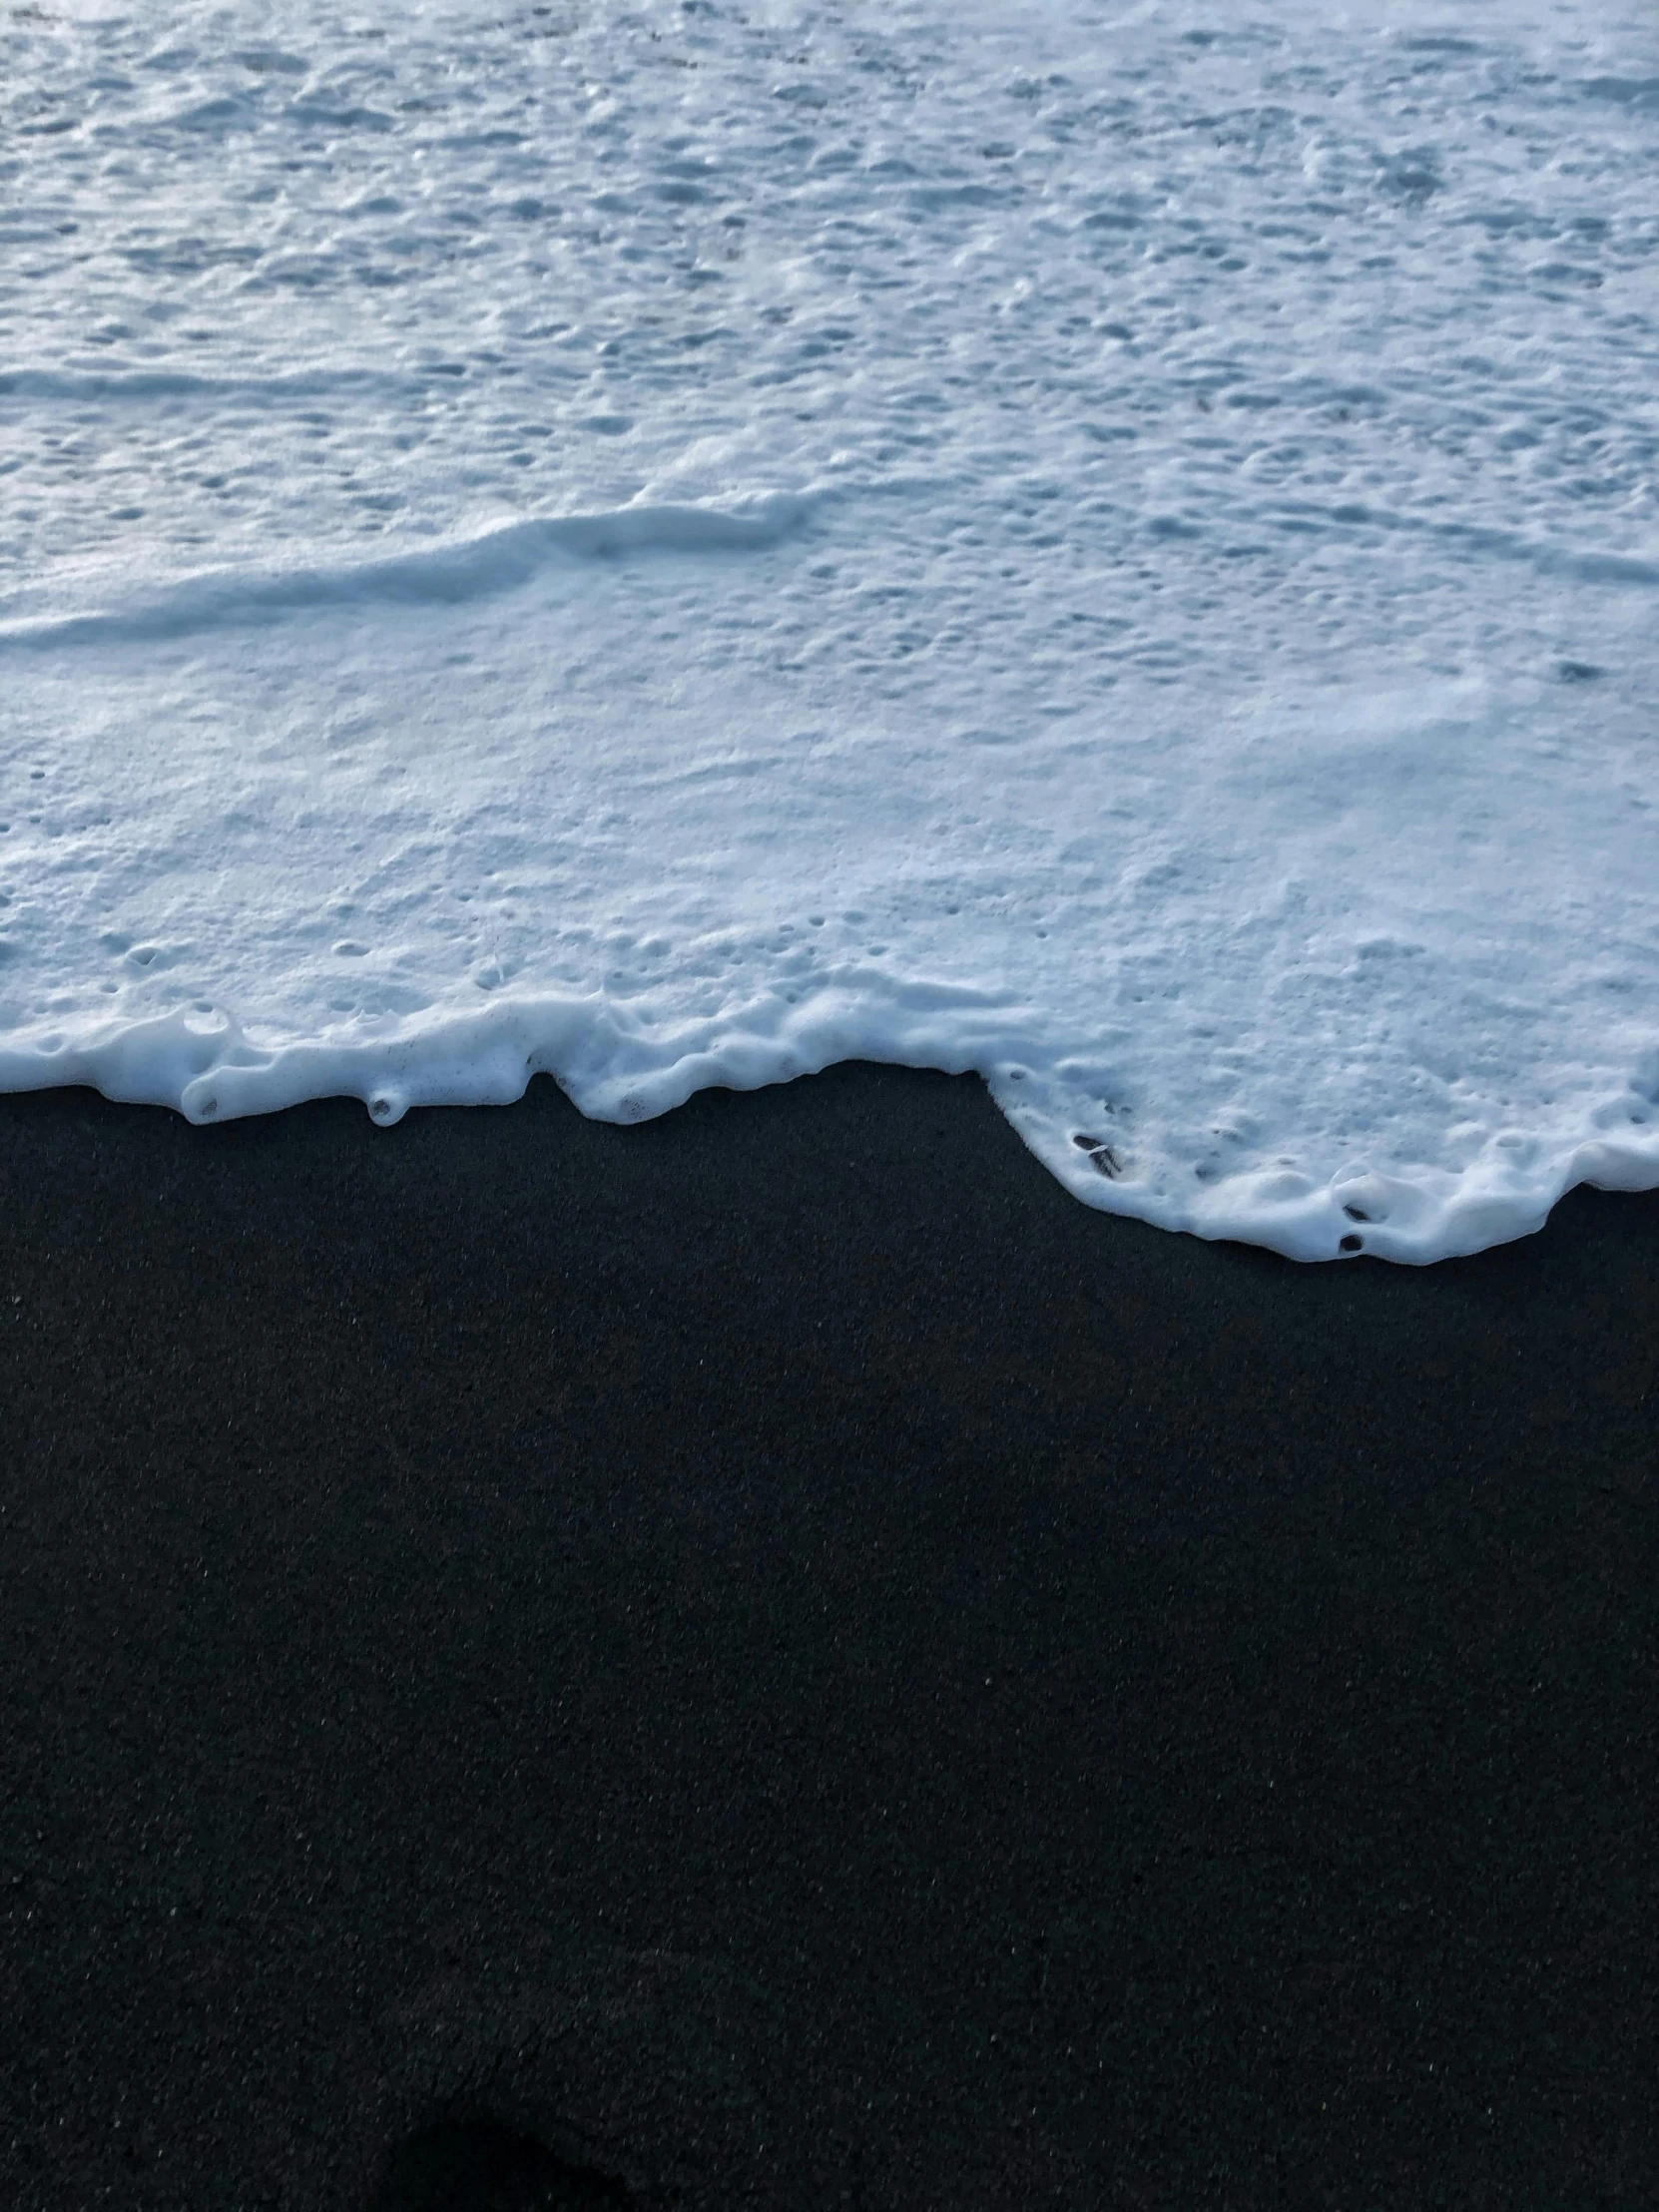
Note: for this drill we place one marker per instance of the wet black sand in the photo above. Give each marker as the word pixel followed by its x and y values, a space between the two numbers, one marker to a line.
pixel 776 1659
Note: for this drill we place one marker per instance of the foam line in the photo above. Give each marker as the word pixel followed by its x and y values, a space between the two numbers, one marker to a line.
pixel 206 1068
pixel 1581 564
pixel 447 575
pixel 80 387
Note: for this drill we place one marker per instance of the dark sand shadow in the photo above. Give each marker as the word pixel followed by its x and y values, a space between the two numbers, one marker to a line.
pixel 482 2166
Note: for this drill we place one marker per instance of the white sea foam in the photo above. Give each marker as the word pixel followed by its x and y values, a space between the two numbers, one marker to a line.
pixel 1112 547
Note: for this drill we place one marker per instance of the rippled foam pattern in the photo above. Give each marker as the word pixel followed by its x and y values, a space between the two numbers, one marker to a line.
pixel 677 543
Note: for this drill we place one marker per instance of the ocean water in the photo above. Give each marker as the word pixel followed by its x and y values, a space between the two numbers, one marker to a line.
pixel 1115 546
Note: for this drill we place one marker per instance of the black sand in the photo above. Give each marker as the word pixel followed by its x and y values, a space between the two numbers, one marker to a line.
pixel 777 1660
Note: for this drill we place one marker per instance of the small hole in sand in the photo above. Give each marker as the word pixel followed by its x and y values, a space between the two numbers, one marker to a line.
pixel 1352 1243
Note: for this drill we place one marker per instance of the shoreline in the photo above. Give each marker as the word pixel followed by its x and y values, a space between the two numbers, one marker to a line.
pixel 777 1654
pixel 198 1065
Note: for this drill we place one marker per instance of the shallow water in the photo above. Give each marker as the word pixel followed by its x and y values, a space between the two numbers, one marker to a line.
pixel 680 544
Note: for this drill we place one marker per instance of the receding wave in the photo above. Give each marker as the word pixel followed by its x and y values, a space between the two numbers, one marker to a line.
pixel 1208 689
